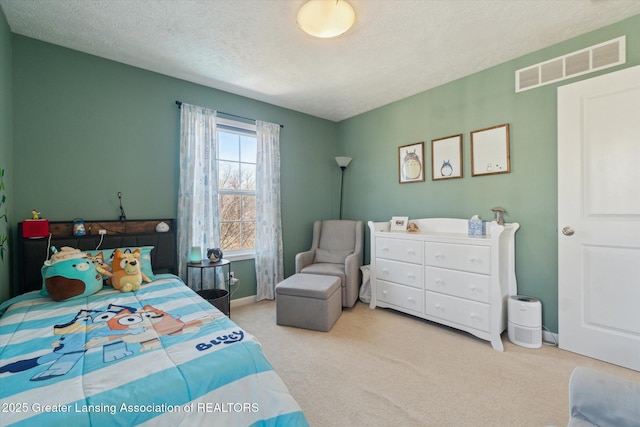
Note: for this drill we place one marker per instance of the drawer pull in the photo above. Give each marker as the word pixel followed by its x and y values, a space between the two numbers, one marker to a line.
pixel 439 282
pixel 384 292
pixel 411 276
pixel 439 255
pixel 385 250
pixel 474 316
pixel 438 307
pixel 385 271
pixel 411 299
pixel 411 252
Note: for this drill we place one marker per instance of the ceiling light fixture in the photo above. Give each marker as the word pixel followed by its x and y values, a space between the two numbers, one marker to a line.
pixel 326 18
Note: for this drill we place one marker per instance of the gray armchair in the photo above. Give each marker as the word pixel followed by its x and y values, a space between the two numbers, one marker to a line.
pixel 336 250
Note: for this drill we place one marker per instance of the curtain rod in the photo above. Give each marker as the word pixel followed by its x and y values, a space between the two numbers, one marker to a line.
pixel 179 104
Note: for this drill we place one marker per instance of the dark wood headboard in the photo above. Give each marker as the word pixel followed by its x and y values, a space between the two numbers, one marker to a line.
pixel 32 253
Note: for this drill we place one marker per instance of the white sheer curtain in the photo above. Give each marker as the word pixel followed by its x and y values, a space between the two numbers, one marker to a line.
pixel 269 266
pixel 198 218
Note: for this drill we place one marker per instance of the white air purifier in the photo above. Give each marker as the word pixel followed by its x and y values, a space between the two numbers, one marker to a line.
pixel 525 321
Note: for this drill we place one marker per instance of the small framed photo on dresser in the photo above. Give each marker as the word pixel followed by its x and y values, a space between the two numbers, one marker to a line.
pixel 399 223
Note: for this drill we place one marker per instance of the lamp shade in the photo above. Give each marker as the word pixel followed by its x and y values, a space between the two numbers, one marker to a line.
pixel 196 254
pixel 326 18
pixel 343 162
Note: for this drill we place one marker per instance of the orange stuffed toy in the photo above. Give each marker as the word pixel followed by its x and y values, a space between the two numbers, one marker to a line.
pixel 127 274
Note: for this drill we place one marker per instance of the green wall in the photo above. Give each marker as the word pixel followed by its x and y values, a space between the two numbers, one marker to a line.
pixel 488 98
pixel 6 155
pixel 86 128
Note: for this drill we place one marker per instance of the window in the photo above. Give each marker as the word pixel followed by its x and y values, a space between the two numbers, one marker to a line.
pixel 237 150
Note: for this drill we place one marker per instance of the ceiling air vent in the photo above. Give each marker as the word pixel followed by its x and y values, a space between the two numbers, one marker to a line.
pixel 594 58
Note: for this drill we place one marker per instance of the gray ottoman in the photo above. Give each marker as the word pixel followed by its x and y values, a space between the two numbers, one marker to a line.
pixel 309 301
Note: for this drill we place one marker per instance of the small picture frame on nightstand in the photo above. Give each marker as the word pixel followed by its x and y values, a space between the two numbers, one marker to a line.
pixel 399 223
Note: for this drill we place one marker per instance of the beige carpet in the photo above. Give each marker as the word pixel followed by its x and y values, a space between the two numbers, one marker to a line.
pixel 383 368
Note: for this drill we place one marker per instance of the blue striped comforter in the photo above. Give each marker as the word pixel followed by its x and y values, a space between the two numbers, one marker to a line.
pixel 159 356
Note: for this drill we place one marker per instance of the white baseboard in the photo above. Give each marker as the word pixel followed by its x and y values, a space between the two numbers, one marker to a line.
pixel 239 302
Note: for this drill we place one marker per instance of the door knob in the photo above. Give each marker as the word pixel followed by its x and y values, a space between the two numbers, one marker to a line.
pixel 568 231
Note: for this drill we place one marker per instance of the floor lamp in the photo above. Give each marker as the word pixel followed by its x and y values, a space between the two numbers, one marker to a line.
pixel 343 162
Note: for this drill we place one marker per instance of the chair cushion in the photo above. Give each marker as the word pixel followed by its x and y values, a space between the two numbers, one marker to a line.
pixel 326 269
pixel 334 256
pixel 337 235
pixel 308 285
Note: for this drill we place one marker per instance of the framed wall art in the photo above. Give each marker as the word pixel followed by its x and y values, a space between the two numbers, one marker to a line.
pixel 490 150
pixel 446 157
pixel 411 163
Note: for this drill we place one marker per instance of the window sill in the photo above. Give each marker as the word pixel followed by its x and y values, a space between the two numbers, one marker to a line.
pixel 240 255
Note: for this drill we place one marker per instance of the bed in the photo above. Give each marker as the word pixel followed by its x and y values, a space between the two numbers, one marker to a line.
pixel 161 355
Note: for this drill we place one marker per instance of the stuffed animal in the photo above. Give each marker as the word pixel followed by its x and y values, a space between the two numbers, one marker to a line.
pixel 65 252
pixel 68 274
pixel 126 271
pixel 100 264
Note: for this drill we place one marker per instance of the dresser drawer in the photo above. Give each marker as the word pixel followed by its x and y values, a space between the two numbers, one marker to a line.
pixel 404 297
pixel 473 258
pixel 457 283
pixel 472 314
pixel 399 272
pixel 399 250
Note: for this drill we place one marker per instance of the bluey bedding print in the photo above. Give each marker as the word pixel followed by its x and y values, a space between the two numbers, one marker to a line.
pixel 158 356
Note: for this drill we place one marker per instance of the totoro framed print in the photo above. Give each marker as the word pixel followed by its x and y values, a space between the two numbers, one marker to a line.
pixel 490 151
pixel 446 157
pixel 411 163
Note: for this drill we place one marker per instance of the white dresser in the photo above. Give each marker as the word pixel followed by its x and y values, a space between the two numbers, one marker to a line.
pixel 444 275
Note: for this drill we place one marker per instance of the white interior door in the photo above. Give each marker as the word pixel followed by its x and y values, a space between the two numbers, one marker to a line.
pixel 599 217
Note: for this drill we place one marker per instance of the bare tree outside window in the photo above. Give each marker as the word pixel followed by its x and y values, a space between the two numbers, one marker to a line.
pixel 237 185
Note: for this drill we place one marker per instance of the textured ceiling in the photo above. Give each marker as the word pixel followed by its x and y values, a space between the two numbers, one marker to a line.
pixel 254 48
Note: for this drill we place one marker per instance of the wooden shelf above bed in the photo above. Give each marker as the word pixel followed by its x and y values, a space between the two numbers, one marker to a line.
pixel 65 229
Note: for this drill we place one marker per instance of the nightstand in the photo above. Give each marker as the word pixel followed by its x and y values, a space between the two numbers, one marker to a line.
pixel 217 297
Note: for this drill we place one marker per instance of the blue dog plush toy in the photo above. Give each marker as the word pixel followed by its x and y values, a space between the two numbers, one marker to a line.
pixel 69 274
